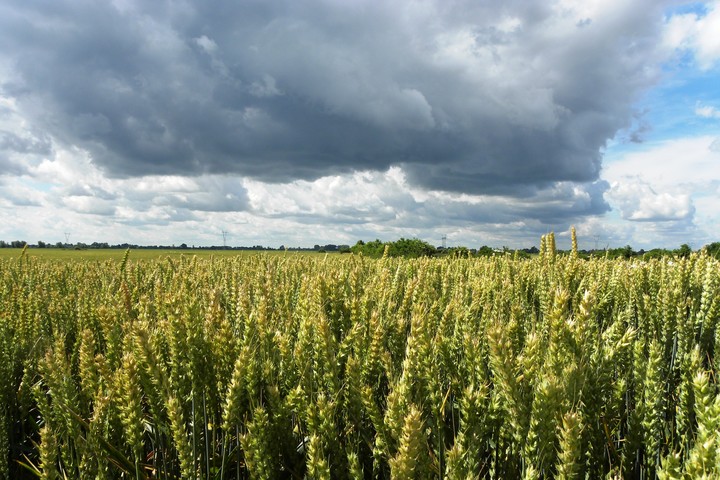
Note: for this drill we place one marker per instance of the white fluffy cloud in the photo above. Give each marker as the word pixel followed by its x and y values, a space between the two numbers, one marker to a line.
pixel 640 202
pixel 668 191
pixel 707 111
pixel 697 33
pixel 687 163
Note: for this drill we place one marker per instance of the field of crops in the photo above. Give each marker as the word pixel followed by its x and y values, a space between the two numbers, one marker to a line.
pixel 347 367
pixel 102 254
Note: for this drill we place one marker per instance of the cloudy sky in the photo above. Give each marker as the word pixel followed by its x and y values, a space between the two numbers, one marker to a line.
pixel 303 122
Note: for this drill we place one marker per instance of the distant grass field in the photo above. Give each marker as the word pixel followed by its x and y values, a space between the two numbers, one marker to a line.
pixel 67 254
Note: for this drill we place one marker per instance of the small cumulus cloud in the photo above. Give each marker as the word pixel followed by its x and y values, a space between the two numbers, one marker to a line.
pixel 638 201
pixel 707 111
pixel 206 44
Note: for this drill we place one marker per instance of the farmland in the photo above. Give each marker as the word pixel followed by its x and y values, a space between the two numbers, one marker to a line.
pixel 117 254
pixel 314 366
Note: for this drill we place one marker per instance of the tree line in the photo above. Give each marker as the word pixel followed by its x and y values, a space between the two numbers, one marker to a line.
pixel 404 247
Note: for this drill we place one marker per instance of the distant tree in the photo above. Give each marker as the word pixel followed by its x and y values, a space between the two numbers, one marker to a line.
pixel 373 249
pixel 684 251
pixel 655 253
pixel 411 248
pixel 41 244
pixel 623 252
pixel 485 251
pixel 522 253
pixel 713 249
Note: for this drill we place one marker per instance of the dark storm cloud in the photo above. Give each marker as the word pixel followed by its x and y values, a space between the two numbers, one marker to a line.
pixel 466 96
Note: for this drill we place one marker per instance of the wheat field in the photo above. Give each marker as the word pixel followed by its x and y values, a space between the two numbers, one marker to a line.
pixel 345 367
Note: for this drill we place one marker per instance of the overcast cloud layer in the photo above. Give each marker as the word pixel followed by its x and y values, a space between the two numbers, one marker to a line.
pixel 369 118
pixel 467 96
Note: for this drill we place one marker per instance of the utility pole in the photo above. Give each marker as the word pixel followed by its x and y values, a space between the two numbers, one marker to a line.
pixel 224 234
pixel 67 238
